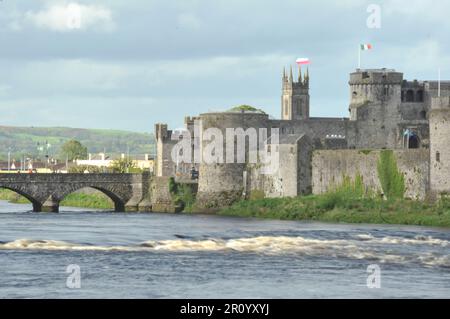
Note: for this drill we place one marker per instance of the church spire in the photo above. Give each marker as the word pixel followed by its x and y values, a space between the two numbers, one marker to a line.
pixel 291 77
pixel 307 76
pixel 299 73
pixel 284 73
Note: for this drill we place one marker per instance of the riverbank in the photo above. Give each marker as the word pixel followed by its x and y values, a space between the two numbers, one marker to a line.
pixel 338 209
pixel 331 207
pixel 90 199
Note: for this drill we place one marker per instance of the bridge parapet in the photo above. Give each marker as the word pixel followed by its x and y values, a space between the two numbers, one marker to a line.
pixel 46 191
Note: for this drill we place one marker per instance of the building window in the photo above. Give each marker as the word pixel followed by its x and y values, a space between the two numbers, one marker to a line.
pixel 423 115
pixel 413 142
pixel 292 150
pixel 419 96
pixel 438 157
pixel 410 96
pixel 386 91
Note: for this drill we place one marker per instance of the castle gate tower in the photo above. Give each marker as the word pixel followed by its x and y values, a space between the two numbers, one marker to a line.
pixel 375 98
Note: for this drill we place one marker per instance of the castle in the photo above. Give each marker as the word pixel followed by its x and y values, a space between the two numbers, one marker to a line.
pixel 411 118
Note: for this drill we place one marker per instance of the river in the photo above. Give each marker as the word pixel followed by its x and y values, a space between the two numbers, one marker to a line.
pixel 79 254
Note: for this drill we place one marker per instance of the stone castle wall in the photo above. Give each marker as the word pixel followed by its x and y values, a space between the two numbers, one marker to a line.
pixel 440 146
pixel 292 176
pixel 329 168
pixel 318 129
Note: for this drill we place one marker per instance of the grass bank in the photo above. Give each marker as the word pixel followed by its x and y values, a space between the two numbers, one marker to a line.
pixel 352 202
pixel 96 201
pixel 334 207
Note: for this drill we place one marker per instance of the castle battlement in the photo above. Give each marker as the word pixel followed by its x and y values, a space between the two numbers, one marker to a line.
pixel 440 103
pixel 376 76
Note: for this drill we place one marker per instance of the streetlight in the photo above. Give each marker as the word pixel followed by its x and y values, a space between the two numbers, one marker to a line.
pixel 128 158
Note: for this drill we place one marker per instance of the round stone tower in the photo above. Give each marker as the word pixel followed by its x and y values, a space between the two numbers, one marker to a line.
pixel 375 98
pixel 440 146
pixel 222 182
pixel 373 86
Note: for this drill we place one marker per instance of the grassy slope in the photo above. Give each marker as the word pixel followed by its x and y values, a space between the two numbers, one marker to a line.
pixel 330 208
pixel 23 140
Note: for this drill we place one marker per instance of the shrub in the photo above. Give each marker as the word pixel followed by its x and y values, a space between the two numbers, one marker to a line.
pixel 391 179
pixel 182 194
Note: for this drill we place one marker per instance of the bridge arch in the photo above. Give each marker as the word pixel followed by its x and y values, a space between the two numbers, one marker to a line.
pixel 37 205
pixel 55 199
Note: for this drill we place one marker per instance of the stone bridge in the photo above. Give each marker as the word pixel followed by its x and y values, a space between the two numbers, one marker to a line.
pixel 129 192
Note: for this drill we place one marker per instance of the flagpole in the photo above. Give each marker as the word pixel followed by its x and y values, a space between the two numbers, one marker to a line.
pixel 359 57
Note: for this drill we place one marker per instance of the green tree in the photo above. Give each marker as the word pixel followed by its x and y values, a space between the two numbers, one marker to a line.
pixel 73 150
pixel 124 165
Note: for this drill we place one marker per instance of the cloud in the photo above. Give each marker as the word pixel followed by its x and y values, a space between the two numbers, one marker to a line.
pixel 4 89
pixel 78 77
pixel 189 21
pixel 72 17
pixel 421 12
pixel 189 56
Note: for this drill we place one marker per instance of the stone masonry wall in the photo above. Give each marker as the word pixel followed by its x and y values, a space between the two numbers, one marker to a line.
pixel 161 199
pixel 221 184
pixel 329 167
pixel 440 146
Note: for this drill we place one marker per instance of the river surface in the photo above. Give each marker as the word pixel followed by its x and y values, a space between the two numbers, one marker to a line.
pixel 182 256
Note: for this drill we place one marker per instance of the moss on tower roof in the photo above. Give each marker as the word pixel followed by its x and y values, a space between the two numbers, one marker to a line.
pixel 246 108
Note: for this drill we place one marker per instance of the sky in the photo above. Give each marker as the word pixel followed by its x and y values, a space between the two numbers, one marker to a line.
pixel 128 64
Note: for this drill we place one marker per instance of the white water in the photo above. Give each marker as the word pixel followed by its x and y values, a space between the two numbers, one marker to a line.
pixel 181 256
pixel 359 248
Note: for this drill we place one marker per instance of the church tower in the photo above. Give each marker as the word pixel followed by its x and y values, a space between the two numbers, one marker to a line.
pixel 295 96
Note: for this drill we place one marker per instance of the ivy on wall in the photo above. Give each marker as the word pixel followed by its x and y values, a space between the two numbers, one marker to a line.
pixel 391 179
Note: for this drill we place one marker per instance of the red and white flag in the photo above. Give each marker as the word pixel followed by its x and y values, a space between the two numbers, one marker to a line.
pixel 302 61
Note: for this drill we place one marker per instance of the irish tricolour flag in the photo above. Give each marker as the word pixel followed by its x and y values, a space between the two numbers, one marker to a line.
pixel 365 47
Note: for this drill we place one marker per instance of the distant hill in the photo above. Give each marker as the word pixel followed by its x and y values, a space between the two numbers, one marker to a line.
pixel 31 141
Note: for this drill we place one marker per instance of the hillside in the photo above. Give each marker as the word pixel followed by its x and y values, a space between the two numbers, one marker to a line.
pixel 26 141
